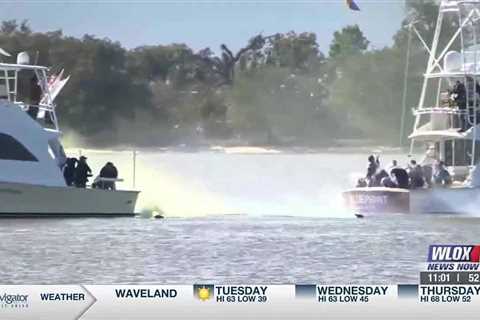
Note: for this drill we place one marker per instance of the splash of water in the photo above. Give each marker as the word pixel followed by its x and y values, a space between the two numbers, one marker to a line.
pixel 192 185
pixel 174 195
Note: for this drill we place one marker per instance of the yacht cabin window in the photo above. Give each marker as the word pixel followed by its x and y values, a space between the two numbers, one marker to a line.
pixel 11 149
pixel 459 152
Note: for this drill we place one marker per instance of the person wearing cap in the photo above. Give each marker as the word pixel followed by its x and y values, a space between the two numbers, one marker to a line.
pixel 82 172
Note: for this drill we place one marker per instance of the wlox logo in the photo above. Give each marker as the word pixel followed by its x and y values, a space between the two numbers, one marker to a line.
pixel 454 253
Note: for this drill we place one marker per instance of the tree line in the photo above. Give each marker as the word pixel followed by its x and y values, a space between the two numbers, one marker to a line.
pixel 278 89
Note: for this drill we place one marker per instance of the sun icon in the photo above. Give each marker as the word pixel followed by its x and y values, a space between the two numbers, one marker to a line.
pixel 204 294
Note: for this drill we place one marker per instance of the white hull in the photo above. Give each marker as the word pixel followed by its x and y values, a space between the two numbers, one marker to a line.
pixel 374 201
pixel 18 199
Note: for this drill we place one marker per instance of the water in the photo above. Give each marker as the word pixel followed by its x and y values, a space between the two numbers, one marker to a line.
pixel 231 219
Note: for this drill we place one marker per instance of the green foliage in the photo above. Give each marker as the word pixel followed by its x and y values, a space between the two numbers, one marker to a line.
pixel 295 51
pixel 368 87
pixel 348 42
pixel 157 62
pixel 368 95
pixel 276 89
pixel 278 106
pixel 100 89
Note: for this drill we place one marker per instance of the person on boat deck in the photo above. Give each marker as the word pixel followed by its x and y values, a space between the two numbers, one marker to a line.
pixel 441 176
pixel 108 171
pixel 379 177
pixel 388 182
pixel 392 166
pixel 373 165
pixel 428 175
pixel 460 98
pixel 35 97
pixel 400 176
pixel 361 183
pixel 82 172
pixel 69 171
pixel 416 175
pixel 411 166
pixel 460 95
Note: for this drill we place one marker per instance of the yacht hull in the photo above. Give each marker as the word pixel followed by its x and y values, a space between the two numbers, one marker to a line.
pixel 377 201
pixel 17 200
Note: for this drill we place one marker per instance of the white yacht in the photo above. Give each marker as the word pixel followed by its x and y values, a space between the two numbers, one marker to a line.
pixel 31 155
pixel 447 128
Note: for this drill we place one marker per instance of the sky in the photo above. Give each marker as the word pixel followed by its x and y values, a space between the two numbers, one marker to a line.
pixel 202 23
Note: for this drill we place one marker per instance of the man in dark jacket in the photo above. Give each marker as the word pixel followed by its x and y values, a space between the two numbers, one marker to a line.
pixel 69 171
pixel 460 95
pixel 82 172
pixel 108 171
pixel 415 173
pixel 401 177
pixel 35 97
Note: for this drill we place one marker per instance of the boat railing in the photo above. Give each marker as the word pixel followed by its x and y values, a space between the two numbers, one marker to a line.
pixel 105 183
pixel 25 105
pixel 440 110
pixel 444 118
pixel 9 90
pixel 109 179
pixel 43 113
pixel 40 106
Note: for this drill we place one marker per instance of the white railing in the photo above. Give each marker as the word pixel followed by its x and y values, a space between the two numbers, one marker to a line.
pixel 440 110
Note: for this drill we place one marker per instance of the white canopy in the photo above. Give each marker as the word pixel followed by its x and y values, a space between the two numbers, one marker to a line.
pixel 424 134
pixel 466 63
pixel 437 135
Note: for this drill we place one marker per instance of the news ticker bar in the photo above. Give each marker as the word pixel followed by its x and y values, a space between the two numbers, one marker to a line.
pixel 225 301
pixel 75 302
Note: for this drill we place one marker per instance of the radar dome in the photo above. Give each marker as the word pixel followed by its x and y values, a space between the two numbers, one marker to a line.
pixel 452 61
pixel 23 58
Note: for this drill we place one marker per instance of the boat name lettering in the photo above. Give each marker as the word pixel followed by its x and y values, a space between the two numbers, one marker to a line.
pixel 371 199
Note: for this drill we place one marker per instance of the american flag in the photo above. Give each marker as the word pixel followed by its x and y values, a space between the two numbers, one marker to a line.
pixel 352 5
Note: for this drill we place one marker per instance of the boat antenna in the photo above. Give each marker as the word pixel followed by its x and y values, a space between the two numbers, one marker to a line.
pixel 4 53
pixel 405 84
pixel 37 54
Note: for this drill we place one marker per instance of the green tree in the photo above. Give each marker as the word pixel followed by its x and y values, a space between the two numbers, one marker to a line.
pixel 9 26
pixel 225 65
pixel 349 41
pixel 299 52
pixel 276 89
pixel 367 96
pixel 156 62
pixel 273 105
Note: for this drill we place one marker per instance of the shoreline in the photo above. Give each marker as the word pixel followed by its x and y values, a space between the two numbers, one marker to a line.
pixel 247 149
